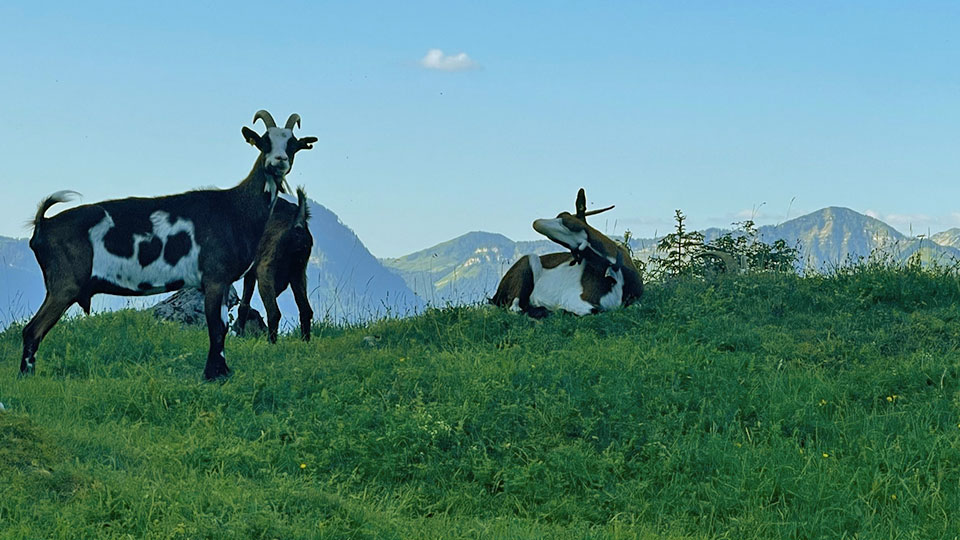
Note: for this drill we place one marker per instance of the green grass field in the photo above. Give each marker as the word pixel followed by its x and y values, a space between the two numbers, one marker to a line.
pixel 754 406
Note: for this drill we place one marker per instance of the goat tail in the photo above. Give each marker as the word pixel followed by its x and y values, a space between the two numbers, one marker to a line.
pixel 58 197
pixel 303 209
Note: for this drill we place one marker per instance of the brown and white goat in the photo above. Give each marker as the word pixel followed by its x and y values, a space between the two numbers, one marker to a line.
pixel 141 246
pixel 596 274
pixel 282 259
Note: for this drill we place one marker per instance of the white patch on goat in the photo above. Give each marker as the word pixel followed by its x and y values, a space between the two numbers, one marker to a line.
pixel 127 272
pixel 223 315
pixel 554 230
pixel 560 288
pixel 614 298
pixel 277 157
pixel 515 305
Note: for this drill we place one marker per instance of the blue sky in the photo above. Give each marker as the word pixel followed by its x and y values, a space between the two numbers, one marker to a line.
pixel 724 110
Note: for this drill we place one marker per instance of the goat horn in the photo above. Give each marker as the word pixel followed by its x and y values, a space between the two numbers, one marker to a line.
pixel 595 212
pixel 294 120
pixel 265 116
pixel 730 264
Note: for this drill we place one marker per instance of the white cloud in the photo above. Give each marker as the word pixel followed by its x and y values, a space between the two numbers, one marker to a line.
pixel 435 59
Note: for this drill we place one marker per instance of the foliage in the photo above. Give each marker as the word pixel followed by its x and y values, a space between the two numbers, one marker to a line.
pixel 680 249
pixel 686 254
pixel 744 244
pixel 767 405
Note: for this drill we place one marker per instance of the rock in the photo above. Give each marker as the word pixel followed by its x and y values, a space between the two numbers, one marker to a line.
pixel 254 327
pixel 186 306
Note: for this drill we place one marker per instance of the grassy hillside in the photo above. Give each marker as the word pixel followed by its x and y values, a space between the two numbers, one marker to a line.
pixel 759 406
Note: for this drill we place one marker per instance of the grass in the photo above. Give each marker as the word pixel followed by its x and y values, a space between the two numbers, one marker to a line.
pixel 756 406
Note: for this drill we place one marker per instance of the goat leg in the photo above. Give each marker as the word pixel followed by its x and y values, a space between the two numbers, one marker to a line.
pixel 215 308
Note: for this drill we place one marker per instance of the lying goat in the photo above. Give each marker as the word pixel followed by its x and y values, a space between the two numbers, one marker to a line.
pixel 281 261
pixel 140 246
pixel 595 275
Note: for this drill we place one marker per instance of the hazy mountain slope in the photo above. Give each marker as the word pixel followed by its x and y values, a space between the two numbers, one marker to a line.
pixel 463 270
pixel 949 237
pixel 346 280
pixel 21 283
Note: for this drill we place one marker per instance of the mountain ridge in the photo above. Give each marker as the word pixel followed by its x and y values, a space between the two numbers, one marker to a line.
pixel 466 270
pixel 348 284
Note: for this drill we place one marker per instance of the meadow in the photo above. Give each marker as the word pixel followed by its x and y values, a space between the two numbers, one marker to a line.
pixel 765 405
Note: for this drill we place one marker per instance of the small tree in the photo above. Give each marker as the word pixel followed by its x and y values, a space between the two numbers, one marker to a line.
pixel 680 249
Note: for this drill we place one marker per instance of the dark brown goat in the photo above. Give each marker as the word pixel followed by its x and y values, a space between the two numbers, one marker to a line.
pixel 282 259
pixel 595 275
pixel 140 246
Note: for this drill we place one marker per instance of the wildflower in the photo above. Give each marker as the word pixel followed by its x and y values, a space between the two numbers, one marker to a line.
pixel 303 465
pixel 893 497
pixel 826 455
pixel 890 399
pixel 823 402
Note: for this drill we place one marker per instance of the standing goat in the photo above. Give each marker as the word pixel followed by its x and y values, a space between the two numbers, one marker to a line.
pixel 282 259
pixel 595 275
pixel 141 246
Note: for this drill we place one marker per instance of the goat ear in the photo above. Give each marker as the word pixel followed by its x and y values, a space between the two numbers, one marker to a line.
pixel 251 136
pixel 581 205
pixel 306 143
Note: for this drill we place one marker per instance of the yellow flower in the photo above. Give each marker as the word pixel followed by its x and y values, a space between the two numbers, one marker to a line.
pixel 890 398
pixel 303 465
pixel 826 455
pixel 893 497
pixel 823 402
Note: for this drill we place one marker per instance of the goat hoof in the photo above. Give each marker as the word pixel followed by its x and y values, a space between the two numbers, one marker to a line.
pixel 26 370
pixel 216 374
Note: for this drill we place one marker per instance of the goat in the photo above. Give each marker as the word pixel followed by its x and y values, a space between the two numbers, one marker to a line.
pixel 281 261
pixel 141 246
pixel 595 275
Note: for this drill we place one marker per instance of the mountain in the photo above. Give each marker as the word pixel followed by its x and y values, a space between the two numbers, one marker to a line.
pixel 832 236
pixel 464 270
pixel 21 284
pixel 467 269
pixel 949 237
pixel 346 282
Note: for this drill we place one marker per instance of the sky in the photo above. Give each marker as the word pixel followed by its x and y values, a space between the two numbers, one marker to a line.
pixel 439 118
